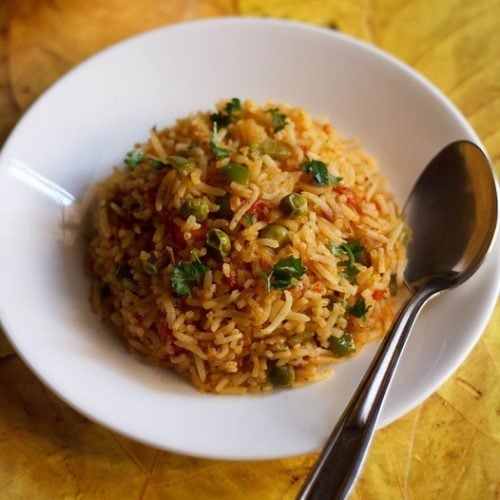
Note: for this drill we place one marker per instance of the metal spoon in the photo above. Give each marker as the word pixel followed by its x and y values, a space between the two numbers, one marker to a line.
pixel 452 212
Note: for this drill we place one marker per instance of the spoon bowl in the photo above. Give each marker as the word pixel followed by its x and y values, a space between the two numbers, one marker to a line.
pixel 452 213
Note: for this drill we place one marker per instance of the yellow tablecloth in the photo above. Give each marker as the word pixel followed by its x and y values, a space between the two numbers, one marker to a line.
pixel 448 447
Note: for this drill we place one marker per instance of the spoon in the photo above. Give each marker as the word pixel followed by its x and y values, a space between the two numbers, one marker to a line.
pixel 452 213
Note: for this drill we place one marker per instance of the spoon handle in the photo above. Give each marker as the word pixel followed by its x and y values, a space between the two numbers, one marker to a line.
pixel 340 462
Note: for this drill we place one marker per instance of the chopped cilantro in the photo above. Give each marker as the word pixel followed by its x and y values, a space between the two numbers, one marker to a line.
pixel 185 274
pixel 223 119
pixel 359 309
pixel 320 173
pixel 219 152
pixel 249 219
pixel 233 105
pixel 134 157
pixel 355 252
pixel 220 119
pixel 279 119
pixel 285 270
pixel 350 272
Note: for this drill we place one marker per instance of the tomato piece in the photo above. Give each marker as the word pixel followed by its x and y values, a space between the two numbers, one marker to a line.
pixel 199 234
pixel 353 199
pixel 257 208
pixel 378 294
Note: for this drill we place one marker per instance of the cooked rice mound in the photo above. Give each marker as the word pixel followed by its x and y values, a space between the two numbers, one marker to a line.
pixel 270 310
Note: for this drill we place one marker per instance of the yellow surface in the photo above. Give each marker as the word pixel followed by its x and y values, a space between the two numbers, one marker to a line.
pixel 448 447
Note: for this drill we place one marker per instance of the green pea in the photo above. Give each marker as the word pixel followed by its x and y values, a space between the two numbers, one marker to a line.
pixel 280 376
pixel 197 207
pixel 233 172
pixel 300 338
pixel 219 241
pixel 224 211
pixel 276 149
pixel 293 205
pixel 275 232
pixel 342 346
pixel 181 163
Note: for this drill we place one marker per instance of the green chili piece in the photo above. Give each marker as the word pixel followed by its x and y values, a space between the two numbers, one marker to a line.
pixel 276 149
pixel 181 163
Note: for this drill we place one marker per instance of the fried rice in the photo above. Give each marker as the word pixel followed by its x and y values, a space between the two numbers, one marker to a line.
pixel 202 261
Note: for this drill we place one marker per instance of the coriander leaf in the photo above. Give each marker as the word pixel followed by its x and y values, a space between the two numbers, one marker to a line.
pixel 224 119
pixel 219 152
pixel 286 269
pixel 185 274
pixel 354 251
pixel 267 281
pixel 350 272
pixel 134 157
pixel 279 119
pixel 359 309
pixel 336 249
pixel 320 174
pixel 282 274
pixel 179 279
pixel 290 265
pixel 249 219
pixel 220 119
pixel 233 105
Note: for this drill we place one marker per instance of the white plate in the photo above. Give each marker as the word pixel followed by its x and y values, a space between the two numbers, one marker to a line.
pixel 86 122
